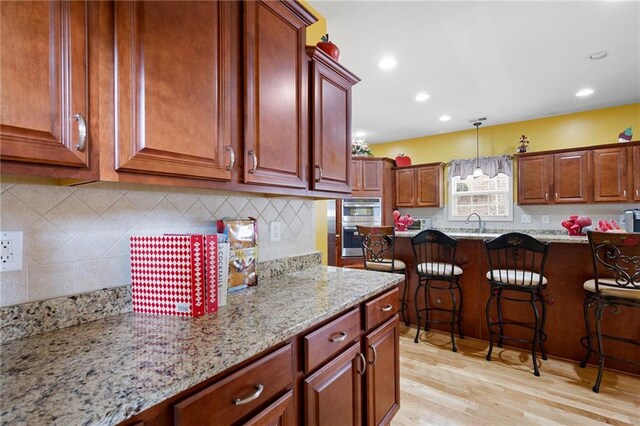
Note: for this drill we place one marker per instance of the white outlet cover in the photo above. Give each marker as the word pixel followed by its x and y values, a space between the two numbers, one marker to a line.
pixel 274 231
pixel 525 218
pixel 14 246
pixel 545 218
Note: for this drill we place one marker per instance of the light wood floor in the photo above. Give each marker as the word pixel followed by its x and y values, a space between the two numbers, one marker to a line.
pixel 440 387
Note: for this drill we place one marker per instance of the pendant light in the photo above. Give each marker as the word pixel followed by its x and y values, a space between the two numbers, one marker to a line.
pixel 477 172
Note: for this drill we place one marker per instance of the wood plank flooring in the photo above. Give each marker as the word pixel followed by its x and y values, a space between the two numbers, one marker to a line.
pixel 440 387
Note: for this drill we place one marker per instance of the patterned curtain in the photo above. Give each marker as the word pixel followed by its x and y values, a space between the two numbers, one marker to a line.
pixel 490 166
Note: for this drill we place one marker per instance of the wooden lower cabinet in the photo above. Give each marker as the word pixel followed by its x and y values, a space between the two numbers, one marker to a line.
pixel 280 413
pixel 332 395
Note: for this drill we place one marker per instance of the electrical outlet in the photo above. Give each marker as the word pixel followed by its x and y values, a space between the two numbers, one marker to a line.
pixel 622 221
pixel 11 251
pixel 274 231
pixel 545 218
pixel 439 218
pixel 525 218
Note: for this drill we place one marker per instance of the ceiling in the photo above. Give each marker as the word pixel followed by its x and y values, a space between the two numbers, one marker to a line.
pixel 505 60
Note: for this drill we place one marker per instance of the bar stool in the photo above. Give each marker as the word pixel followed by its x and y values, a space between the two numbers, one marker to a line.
pixel 616 282
pixel 435 254
pixel 378 253
pixel 516 265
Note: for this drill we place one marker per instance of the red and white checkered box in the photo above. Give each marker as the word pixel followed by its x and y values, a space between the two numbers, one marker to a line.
pixel 169 275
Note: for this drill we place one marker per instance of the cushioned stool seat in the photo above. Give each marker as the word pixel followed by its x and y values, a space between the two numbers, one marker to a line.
pixel 439 268
pixel 624 292
pixel 386 265
pixel 515 277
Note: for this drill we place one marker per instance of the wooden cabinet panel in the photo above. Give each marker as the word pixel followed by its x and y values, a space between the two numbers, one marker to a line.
pixel 43 82
pixel 331 123
pixel 429 186
pixel 274 373
pixel 405 187
pixel 172 104
pixel 330 339
pixel 276 90
pixel 372 176
pixel 280 413
pixel 333 395
pixel 356 175
pixel 534 179
pixel 636 173
pixel 571 177
pixel 381 308
pixel 610 174
pixel 383 373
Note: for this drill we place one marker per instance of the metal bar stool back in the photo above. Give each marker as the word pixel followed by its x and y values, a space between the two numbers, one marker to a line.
pixel 516 266
pixel 616 283
pixel 378 253
pixel 435 256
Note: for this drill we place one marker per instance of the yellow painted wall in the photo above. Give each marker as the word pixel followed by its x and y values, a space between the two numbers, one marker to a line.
pixel 587 128
pixel 317 30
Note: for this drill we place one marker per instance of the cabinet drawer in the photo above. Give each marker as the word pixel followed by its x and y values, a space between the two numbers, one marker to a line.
pixel 330 339
pixel 232 398
pixel 381 308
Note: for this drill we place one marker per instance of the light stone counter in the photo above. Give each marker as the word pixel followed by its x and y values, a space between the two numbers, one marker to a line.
pixel 108 370
pixel 546 237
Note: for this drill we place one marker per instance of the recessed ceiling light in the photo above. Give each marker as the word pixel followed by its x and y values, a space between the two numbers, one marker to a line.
pixel 387 63
pixel 584 92
pixel 359 134
pixel 422 96
pixel 444 118
pixel 597 56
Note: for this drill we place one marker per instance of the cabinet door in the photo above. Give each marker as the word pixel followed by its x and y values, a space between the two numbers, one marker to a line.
pixel 571 177
pixel 405 187
pixel 372 176
pixel 275 95
pixel 356 175
pixel 331 121
pixel 43 82
pixel 383 373
pixel 280 413
pixel 636 173
pixel 172 88
pixel 610 174
pixel 333 395
pixel 534 179
pixel 429 185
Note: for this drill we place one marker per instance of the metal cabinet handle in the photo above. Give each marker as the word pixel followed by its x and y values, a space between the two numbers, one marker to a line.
pixel 387 308
pixel 320 169
pixel 364 364
pixel 254 156
pixel 624 193
pixel 375 355
pixel 340 338
pixel 82 131
pixel 637 192
pixel 252 397
pixel 556 195
pixel 232 157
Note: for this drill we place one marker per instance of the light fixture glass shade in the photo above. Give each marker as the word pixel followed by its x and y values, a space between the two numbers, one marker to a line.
pixel 477 172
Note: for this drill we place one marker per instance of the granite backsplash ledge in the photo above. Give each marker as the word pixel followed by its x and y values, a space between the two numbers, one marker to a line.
pixel 33 318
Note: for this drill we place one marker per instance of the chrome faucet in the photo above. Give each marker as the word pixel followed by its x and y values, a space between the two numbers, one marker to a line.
pixel 480 222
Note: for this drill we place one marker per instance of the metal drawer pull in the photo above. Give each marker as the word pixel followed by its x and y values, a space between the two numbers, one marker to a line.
pixel 82 131
pixel 386 308
pixel 375 355
pixel 232 157
pixel 364 364
pixel 254 156
pixel 340 338
pixel 624 193
pixel 253 397
pixel 546 196
pixel 320 169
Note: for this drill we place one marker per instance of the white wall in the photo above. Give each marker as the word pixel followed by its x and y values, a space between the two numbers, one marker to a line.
pixel 76 239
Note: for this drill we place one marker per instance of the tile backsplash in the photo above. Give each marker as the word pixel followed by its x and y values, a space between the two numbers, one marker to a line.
pixel 76 239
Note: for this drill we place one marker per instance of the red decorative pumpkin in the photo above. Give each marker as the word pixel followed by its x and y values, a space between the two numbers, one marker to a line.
pixel 329 48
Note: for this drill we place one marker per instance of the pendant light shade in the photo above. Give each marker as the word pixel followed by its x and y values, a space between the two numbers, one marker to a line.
pixel 477 172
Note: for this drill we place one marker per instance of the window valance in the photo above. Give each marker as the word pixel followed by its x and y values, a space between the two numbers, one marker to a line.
pixel 490 166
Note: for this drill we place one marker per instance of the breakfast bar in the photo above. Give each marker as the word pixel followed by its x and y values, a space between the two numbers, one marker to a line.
pixel 568 267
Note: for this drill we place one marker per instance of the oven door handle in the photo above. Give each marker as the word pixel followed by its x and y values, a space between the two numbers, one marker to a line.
pixel 349 228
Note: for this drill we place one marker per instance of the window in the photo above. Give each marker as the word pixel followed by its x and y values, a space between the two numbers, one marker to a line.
pixel 491 198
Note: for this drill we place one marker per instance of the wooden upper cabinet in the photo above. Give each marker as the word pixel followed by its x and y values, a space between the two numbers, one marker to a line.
pixel 172 88
pixel 571 173
pixel 44 83
pixel 356 175
pixel 636 172
pixel 372 175
pixel 405 187
pixel 429 186
pixel 276 134
pixel 610 182
pixel 330 122
pixel 534 179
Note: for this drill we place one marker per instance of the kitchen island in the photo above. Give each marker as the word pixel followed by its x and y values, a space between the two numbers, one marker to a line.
pixel 568 267
pixel 108 371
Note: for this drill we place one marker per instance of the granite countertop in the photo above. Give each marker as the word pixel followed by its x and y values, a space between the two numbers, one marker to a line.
pixel 540 235
pixel 108 370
